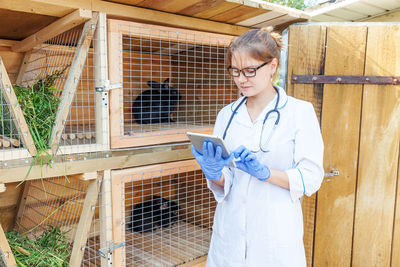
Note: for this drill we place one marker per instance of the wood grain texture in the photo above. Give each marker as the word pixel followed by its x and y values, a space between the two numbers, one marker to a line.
pixel 340 125
pixel 307 59
pixel 379 150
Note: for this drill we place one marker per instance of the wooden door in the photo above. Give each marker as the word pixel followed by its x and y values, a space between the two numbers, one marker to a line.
pixel 354 220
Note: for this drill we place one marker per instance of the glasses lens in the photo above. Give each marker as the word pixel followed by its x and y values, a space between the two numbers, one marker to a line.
pixel 234 72
pixel 249 72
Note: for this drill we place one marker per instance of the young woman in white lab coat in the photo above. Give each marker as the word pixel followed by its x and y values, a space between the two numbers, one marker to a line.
pixel 258 220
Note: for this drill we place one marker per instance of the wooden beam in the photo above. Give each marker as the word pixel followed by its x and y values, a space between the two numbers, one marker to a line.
pixel 127 159
pixel 5 251
pixel 85 222
pixel 106 217
pixel 72 81
pixel 101 76
pixel 115 10
pixel 30 6
pixel 15 110
pixel 8 43
pixel 64 24
pixel 118 218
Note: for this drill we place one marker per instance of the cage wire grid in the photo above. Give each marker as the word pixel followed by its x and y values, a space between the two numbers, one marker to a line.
pixel 167 217
pixel 172 80
pixel 56 201
pixel 79 133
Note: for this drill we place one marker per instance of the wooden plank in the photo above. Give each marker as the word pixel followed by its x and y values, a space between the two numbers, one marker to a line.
pixel 151 16
pixel 313 63
pixel 5 250
pixel 22 201
pixel 379 150
pixel 395 257
pixel 7 43
pixel 156 170
pixel 15 110
pixel 35 7
pixel 22 68
pixel 105 206
pixel 64 24
pixel 101 75
pixel 342 104
pixel 238 14
pixel 118 218
pixel 85 222
pixel 8 175
pixel 72 81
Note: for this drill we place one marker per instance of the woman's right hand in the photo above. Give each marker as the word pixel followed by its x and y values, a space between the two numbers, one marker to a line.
pixel 211 162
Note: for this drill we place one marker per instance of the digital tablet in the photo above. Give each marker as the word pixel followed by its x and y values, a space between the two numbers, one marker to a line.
pixel 197 140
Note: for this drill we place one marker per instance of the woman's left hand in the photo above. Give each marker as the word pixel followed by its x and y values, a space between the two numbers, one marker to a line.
pixel 248 163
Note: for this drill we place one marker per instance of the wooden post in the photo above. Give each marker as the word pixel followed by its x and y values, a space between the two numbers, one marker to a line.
pixel 101 76
pixel 118 220
pixel 5 250
pixel 72 81
pixel 85 222
pixel 15 110
pixel 106 238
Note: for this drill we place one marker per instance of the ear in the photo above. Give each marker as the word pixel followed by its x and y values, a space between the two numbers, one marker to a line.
pixel 166 83
pixel 274 65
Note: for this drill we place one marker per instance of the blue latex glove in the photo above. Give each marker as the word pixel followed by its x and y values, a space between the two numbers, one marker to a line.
pixel 211 162
pixel 248 163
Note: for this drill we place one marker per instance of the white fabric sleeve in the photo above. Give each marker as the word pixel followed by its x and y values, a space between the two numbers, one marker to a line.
pixel 307 175
pixel 221 192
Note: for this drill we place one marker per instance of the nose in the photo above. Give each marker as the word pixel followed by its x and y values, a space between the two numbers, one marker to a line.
pixel 241 77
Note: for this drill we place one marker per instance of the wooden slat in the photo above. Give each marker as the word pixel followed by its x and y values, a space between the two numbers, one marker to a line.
pixel 151 16
pixel 238 14
pixel 64 24
pixel 72 81
pixel 379 151
pixel 208 8
pixel 101 75
pixel 15 110
pixel 314 36
pixel 5 250
pixel 396 227
pixel 341 106
pixel 85 222
pixel 21 204
pixel 7 43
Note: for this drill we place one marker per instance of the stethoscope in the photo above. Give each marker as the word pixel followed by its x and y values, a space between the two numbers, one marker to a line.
pixel 274 110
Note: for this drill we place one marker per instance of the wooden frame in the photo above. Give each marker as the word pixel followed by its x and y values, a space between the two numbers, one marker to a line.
pixel 120 177
pixel 71 84
pixel 116 30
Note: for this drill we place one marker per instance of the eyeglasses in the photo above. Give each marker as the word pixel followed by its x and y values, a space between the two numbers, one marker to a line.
pixel 247 72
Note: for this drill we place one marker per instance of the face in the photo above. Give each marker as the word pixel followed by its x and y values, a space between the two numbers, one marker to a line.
pixel 259 84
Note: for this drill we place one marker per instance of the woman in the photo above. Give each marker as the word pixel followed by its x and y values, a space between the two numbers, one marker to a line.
pixel 276 142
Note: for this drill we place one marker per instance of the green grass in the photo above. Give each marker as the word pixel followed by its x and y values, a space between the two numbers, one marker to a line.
pixel 51 248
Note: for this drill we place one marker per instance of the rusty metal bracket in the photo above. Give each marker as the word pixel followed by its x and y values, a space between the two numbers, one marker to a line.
pixel 346 79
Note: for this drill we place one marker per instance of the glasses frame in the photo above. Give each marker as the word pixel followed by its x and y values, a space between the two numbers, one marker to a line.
pixel 247 68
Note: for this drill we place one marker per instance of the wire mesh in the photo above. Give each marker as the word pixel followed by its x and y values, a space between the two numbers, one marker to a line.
pixel 172 79
pixel 168 217
pixel 56 201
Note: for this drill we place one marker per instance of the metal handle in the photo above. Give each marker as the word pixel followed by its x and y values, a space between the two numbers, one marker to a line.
pixel 332 173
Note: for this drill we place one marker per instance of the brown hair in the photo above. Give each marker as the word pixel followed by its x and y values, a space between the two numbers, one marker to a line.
pixel 261 44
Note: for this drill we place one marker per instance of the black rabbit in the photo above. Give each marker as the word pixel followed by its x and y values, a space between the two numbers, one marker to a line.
pixel 156 104
pixel 151 214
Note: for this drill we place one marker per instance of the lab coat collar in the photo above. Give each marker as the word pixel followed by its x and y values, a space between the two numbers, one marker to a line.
pixel 243 117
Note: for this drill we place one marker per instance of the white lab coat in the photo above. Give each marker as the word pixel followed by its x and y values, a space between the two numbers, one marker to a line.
pixel 258 224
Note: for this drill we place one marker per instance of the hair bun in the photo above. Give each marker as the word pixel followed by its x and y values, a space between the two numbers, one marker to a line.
pixel 275 35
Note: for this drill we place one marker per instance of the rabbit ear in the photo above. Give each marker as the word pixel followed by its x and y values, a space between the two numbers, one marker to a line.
pixel 166 83
pixel 154 84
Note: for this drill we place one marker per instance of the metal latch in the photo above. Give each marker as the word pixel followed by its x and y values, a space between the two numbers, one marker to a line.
pixel 107 86
pixel 332 173
pixel 104 252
